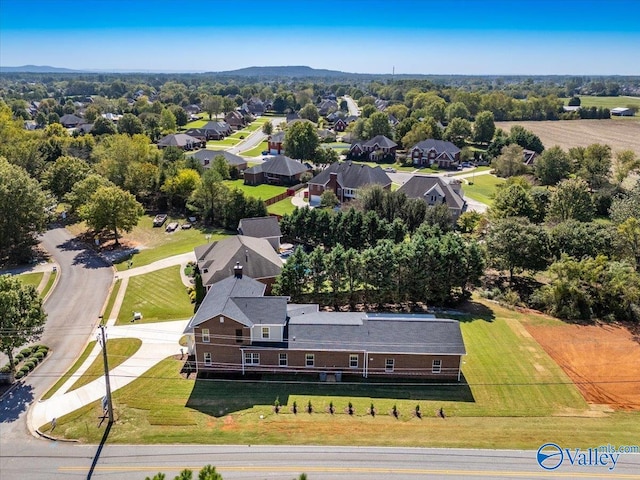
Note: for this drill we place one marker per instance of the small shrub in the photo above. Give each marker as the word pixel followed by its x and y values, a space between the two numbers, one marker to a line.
pixel 5 369
pixel 331 408
pixel 30 365
pixel 43 351
pixel 19 357
pixel 372 410
pixel 24 369
pixel 19 375
pixel 309 407
pixel 350 409
pixel 418 414
pixel 394 411
pixel 39 355
pixel 25 352
pixel 276 405
pixel 241 137
pixel 294 409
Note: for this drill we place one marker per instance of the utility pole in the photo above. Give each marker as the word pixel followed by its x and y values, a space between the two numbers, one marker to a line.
pixel 102 338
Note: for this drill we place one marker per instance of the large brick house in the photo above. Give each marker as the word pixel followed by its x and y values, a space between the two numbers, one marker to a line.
pixel 435 152
pixel 345 179
pixel 278 170
pixel 436 190
pixel 378 149
pixel 238 330
pixel 275 143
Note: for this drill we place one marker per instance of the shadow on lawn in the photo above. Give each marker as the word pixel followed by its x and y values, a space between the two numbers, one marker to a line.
pixel 219 397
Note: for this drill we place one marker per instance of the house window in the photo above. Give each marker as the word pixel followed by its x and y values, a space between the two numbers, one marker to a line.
pixel 205 335
pixel 436 366
pixel 282 359
pixel 207 358
pixel 353 360
pixel 389 364
pixel 309 359
pixel 252 358
pixel 265 333
pixel 239 338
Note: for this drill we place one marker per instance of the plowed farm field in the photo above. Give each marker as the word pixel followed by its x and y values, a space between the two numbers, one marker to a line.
pixel 602 360
pixel 618 134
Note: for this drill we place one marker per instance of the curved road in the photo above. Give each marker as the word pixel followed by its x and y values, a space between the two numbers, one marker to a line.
pixel 72 310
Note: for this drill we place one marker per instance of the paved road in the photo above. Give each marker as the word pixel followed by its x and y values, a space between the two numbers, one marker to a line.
pixel 352 106
pixel 73 309
pixel 284 462
pixel 254 138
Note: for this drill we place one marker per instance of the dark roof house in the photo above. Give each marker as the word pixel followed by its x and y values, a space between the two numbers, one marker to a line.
pixel 435 152
pixel 436 190
pixel 262 227
pixel 181 140
pixel 278 170
pixel 379 148
pixel 206 158
pixel 345 179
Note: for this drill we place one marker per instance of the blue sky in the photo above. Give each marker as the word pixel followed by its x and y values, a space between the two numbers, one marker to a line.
pixel 374 36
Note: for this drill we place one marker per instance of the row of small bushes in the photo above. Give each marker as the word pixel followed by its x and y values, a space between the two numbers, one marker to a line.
pixel 27 358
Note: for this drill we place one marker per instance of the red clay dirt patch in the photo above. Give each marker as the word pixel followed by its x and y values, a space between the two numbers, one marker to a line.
pixel 602 360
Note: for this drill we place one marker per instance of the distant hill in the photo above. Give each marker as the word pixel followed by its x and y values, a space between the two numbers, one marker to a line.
pixel 289 71
pixel 37 69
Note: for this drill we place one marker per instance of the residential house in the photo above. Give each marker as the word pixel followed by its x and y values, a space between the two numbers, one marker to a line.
pixel 435 152
pixel 217 259
pixel 340 125
pixel 345 179
pixel 378 149
pixel 275 143
pixel 237 330
pixel 114 117
pixel 181 140
pixel 236 120
pixel 215 130
pixel 437 190
pixel 278 170
pixel 293 116
pixel 71 121
pixel 326 106
pixel 206 158
pixel 262 227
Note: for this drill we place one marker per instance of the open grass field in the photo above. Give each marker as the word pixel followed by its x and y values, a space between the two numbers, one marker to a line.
pixel 262 192
pixel 618 134
pixel 120 349
pixel 160 296
pixel 608 102
pixel 517 397
pixel 603 360
pixel 483 188
pixel 282 207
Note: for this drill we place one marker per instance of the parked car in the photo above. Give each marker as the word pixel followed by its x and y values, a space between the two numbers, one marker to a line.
pixel 465 164
pixel 186 226
pixel 159 219
pixel 171 227
pixel 265 152
pixel 390 170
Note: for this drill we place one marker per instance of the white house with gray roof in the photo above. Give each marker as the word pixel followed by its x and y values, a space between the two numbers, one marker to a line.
pixel 436 190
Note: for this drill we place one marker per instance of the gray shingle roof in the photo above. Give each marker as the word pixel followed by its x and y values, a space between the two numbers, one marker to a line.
pixel 381 141
pixel 353 175
pixel 438 145
pixel 376 334
pixel 418 186
pixel 256 255
pixel 178 140
pixel 231 159
pixel 279 165
pixel 260 227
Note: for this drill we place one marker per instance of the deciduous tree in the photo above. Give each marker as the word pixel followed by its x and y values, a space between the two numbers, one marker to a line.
pixel 484 127
pixel 571 201
pixel 552 166
pixel 301 141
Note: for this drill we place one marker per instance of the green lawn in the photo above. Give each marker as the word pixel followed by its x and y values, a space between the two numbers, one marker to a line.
pixel 156 244
pixel 483 188
pixel 32 279
pixel 224 143
pixel 257 150
pixel 339 146
pixel 159 296
pixel 118 350
pixel 477 169
pixel 517 398
pixel 607 102
pixel 50 282
pixel 112 299
pixel 282 207
pixel 259 191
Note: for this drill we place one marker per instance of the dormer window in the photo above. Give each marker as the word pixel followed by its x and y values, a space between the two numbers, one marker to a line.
pixel 266 333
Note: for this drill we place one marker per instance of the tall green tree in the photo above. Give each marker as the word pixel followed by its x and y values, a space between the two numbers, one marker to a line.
pixel 301 141
pixel 213 105
pixel 22 317
pixel 595 165
pixel 112 208
pixel 484 127
pixel 510 162
pixel 130 124
pixel 514 244
pixel 552 166
pixel 513 201
pixel 64 173
pixel 377 124
pixel 571 201
pixel 82 190
pixel 22 217
pixel 458 130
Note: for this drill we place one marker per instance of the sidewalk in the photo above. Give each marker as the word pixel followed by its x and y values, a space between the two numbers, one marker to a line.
pixel 159 340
